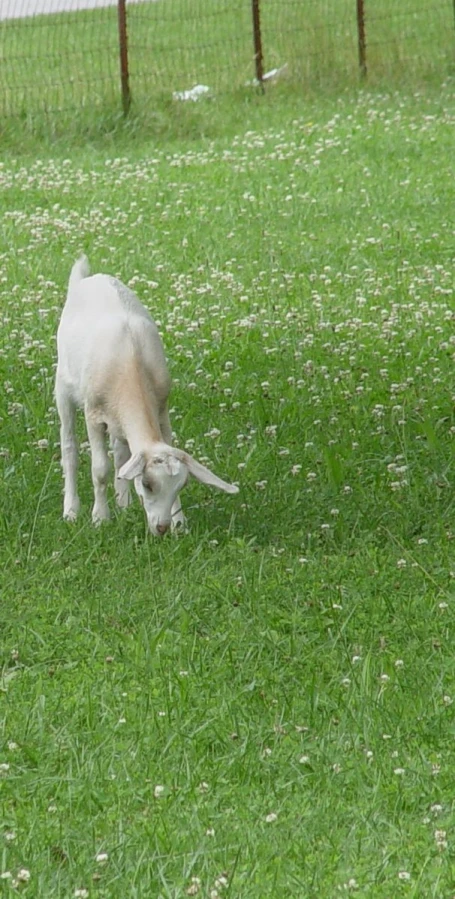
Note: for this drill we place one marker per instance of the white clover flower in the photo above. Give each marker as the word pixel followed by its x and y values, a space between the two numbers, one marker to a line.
pixel 271 818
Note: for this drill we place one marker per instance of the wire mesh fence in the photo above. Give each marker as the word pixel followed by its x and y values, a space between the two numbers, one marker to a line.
pixel 61 54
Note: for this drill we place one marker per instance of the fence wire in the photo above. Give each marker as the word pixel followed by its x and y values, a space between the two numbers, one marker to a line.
pixel 63 54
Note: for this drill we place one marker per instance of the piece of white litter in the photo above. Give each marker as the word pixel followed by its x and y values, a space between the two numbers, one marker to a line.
pixel 272 75
pixel 199 90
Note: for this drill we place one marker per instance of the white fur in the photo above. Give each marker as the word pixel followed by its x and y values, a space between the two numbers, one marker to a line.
pixel 111 364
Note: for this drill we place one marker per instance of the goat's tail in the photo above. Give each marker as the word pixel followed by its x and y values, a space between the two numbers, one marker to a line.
pixel 80 270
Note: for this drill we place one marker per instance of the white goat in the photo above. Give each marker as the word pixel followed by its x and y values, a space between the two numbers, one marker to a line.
pixel 111 363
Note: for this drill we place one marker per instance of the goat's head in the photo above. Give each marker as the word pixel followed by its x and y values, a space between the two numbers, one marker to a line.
pixel 159 475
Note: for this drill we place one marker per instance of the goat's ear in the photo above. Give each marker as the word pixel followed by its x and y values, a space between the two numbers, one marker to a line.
pixel 203 474
pixel 133 468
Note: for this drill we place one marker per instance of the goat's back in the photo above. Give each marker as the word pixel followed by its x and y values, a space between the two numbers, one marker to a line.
pixel 97 296
pixel 103 327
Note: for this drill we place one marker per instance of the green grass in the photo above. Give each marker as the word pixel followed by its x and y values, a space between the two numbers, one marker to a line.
pixel 56 63
pixel 292 656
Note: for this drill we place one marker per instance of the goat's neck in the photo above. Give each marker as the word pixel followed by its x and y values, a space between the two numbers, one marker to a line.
pixel 137 415
pixel 140 431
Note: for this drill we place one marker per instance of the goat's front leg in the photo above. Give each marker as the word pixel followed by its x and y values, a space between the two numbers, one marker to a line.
pixel 100 469
pixel 122 486
pixel 69 451
pixel 178 520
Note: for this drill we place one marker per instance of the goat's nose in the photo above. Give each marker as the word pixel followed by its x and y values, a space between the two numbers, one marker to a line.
pixel 162 528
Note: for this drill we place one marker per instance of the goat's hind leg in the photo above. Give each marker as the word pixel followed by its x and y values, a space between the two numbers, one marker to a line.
pixel 122 486
pixel 69 450
pixel 100 469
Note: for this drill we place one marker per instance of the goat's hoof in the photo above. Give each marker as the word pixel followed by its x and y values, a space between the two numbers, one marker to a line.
pixel 179 525
pixel 70 515
pixel 99 517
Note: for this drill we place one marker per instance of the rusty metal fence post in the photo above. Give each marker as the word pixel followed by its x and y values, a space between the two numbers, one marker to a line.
pixel 123 48
pixel 361 38
pixel 257 37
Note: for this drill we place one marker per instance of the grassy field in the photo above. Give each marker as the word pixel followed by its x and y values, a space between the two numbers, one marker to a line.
pixel 65 61
pixel 264 707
